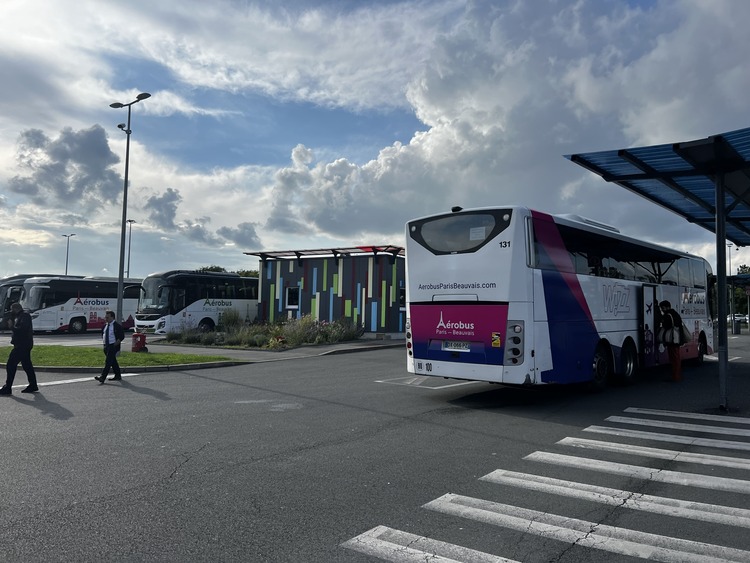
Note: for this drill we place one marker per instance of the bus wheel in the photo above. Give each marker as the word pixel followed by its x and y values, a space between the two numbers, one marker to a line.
pixel 206 325
pixel 629 363
pixel 601 367
pixel 77 326
pixel 702 349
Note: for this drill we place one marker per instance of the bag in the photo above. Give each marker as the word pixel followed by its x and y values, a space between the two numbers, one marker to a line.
pixel 675 335
pixel 685 334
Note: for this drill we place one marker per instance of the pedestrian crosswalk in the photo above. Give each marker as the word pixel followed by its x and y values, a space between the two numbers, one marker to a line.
pixel 680 471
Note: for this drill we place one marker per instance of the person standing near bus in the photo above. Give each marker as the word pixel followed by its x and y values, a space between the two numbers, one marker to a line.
pixel 671 319
pixel 112 335
pixel 23 341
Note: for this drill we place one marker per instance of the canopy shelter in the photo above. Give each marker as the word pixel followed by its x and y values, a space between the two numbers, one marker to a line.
pixel 706 181
pixel 392 251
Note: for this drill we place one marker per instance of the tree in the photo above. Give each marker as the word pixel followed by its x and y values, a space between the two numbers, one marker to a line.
pixel 212 268
pixel 248 273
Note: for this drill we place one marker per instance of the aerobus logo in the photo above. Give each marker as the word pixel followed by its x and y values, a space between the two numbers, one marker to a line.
pixel 92 302
pixel 458 327
pixel 217 303
pixel 616 299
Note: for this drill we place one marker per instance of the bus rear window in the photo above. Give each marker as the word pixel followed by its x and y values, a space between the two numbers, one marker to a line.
pixel 459 232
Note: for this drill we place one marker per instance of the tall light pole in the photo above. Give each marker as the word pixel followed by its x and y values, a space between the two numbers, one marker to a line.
pixel 130 238
pixel 67 250
pixel 126 129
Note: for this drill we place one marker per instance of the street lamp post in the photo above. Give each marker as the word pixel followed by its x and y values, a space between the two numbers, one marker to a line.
pixel 67 250
pixel 126 129
pixel 130 238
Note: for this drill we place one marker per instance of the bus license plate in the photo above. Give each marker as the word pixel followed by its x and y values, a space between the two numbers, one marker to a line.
pixel 456 346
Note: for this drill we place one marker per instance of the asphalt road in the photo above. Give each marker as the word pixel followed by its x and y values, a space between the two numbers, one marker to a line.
pixel 296 460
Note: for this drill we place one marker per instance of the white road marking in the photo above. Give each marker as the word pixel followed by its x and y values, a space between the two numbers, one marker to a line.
pixel 402 547
pixel 692 415
pixel 684 457
pixel 673 438
pixel 725 515
pixel 679 426
pixel 76 380
pixel 645 473
pixel 421 380
pixel 586 534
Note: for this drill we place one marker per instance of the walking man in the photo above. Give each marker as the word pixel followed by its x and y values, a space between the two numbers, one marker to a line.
pixel 23 342
pixel 112 335
pixel 671 319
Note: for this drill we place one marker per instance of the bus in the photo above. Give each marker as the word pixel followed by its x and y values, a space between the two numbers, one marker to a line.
pixel 75 305
pixel 11 289
pixel 179 300
pixel 514 296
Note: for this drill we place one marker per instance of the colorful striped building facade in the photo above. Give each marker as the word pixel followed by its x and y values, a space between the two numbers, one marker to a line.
pixel 364 284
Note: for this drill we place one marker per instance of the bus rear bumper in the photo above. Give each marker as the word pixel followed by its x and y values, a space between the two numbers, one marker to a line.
pixel 507 375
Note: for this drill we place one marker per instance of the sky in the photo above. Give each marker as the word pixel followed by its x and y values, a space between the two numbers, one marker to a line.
pixel 321 124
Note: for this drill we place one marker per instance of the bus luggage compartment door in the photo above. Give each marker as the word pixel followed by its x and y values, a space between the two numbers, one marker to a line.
pixel 467 333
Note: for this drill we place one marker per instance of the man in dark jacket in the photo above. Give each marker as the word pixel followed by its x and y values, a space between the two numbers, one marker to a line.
pixel 23 342
pixel 112 335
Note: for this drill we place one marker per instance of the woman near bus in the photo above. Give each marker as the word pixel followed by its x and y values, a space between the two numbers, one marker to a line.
pixel 671 319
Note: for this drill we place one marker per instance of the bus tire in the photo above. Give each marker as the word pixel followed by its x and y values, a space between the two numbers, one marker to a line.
pixel 702 349
pixel 206 325
pixel 77 326
pixel 628 363
pixel 601 367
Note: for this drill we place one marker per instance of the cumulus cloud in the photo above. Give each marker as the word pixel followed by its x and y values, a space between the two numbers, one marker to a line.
pixel 72 170
pixel 244 235
pixel 162 209
pixel 504 89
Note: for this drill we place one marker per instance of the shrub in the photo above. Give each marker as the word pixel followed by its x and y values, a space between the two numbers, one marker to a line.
pixel 285 334
pixel 231 321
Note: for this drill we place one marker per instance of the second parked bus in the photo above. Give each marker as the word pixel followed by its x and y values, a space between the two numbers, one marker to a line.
pixel 179 300
pixel 515 296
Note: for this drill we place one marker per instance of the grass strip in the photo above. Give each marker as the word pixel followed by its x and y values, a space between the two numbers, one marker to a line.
pixel 86 356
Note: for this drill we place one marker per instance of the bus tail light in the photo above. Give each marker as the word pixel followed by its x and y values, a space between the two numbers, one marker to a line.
pixel 514 343
pixel 409 349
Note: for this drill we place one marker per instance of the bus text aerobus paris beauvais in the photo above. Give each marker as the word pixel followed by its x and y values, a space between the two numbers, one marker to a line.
pixel 519 297
pixel 67 303
pixel 180 300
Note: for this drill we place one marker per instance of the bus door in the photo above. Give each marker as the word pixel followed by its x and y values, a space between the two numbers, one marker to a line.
pixel 648 326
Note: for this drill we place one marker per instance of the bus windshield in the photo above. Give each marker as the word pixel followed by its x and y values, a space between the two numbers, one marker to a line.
pixel 34 299
pixel 155 297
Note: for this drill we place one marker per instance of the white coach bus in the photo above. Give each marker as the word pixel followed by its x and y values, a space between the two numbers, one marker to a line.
pixel 515 296
pixel 63 303
pixel 180 300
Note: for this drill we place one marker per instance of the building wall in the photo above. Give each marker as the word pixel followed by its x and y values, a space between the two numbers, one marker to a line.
pixel 368 289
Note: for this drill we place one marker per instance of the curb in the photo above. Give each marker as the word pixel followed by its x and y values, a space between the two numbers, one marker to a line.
pixel 206 365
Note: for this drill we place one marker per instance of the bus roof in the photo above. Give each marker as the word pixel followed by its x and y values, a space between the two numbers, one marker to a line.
pixel 171 273
pixel 659 252
pixel 79 279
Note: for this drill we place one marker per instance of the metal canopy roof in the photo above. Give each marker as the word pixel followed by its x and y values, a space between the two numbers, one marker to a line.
pixel 685 177
pixel 706 181
pixel 336 252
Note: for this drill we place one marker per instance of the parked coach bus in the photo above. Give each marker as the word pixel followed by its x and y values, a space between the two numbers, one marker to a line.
pixel 179 300
pixel 63 303
pixel 11 289
pixel 515 296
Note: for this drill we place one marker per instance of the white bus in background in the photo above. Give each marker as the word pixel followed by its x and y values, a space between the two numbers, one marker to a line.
pixel 11 289
pixel 515 296
pixel 180 300
pixel 63 303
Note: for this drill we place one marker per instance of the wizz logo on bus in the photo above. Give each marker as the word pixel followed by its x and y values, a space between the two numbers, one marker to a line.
pixel 458 328
pixel 217 303
pixel 616 299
